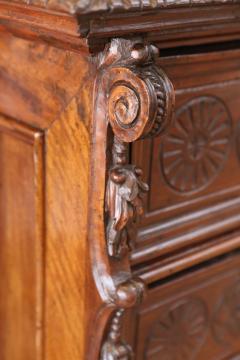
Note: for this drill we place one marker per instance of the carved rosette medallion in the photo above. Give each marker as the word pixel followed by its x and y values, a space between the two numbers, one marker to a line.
pixel 197 146
pixel 180 333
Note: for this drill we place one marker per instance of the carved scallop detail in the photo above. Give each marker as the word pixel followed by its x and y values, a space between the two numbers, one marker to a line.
pixel 197 146
pixel 226 320
pixel 179 334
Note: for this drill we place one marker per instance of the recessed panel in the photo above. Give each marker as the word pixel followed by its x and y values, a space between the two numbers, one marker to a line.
pixel 20 242
pixel 194 169
pixel 193 317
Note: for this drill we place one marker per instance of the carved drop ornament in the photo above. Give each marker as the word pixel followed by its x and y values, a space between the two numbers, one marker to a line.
pixel 123 200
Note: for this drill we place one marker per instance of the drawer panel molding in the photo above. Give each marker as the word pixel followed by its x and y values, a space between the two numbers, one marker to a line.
pixel 134 99
pixel 195 316
pixel 193 171
pixel 181 331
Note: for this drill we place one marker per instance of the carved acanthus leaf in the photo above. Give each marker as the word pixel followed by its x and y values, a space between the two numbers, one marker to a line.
pixel 123 201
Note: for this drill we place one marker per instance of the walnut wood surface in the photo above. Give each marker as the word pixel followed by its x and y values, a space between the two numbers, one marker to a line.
pixel 42 80
pixel 44 198
pixel 184 215
pixel 192 317
pixel 38 23
pixel 170 26
pixel 66 254
pixel 136 100
pixel 70 186
pixel 21 245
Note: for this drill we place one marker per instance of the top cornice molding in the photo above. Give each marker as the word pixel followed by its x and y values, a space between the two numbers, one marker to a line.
pixel 109 6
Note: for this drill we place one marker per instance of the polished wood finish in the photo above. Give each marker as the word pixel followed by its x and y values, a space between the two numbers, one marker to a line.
pixel 187 211
pixel 136 99
pixel 119 180
pixel 21 245
pixel 44 173
pixel 194 316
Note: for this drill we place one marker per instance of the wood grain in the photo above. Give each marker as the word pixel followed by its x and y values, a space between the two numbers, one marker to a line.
pixel 171 24
pixel 64 288
pixel 192 316
pixel 56 28
pixel 46 190
pixel 67 170
pixel 41 79
pixel 179 219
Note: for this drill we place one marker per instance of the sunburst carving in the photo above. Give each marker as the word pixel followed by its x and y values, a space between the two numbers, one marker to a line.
pixel 197 146
pixel 180 333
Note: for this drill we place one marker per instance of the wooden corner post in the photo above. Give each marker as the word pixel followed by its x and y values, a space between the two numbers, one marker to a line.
pixel 133 99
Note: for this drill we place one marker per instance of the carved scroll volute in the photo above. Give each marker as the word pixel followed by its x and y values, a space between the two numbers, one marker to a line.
pixel 136 99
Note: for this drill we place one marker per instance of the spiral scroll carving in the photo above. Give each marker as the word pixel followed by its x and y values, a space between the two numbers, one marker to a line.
pixel 141 97
pixel 123 105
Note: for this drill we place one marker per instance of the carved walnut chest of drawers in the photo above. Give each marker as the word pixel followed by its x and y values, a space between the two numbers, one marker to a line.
pixel 120 180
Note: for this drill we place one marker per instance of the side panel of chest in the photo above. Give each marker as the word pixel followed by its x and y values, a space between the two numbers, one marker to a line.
pixel 21 241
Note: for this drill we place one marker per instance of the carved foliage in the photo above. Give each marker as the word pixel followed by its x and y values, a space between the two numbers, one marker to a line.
pixel 123 201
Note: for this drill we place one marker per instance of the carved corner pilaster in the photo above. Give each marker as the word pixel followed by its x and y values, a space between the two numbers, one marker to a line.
pixel 140 104
pixel 136 99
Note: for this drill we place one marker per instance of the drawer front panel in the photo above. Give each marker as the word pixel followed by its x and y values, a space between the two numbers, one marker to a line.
pixel 193 317
pixel 194 169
